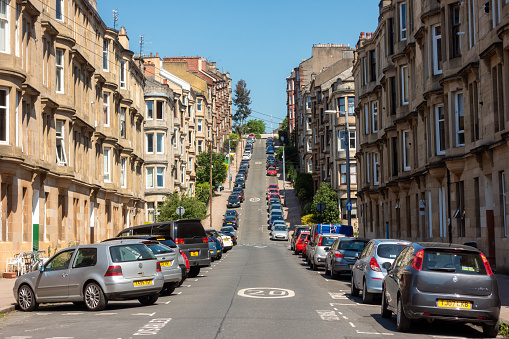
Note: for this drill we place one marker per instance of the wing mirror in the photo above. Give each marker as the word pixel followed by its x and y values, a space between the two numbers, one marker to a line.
pixel 386 265
pixel 357 256
pixel 41 268
pixel 326 249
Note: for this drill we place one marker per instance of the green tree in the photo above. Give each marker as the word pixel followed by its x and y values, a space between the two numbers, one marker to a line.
pixel 233 141
pixel 219 168
pixel 255 126
pixel 242 101
pixel 202 191
pixel 304 187
pixel 194 208
pixel 326 195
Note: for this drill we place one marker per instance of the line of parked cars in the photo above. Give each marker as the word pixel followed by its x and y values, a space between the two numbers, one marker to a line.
pixel 415 280
pixel 276 221
pixel 141 262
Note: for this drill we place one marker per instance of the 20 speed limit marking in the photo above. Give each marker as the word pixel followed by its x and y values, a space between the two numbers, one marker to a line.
pixel 266 293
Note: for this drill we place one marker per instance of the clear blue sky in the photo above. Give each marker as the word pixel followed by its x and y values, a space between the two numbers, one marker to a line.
pixel 257 41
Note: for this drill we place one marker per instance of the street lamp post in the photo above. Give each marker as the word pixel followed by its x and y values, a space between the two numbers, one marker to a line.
pixel 284 172
pixel 347 146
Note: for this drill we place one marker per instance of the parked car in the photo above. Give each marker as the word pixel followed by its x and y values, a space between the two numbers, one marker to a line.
pixel 441 281
pixel 305 245
pixel 271 191
pixel 317 251
pixel 93 274
pixel 246 156
pixel 168 259
pixel 274 196
pixel 227 241
pixel 272 186
pixel 274 218
pixel 240 192
pixel 341 255
pixel 229 229
pixel 240 183
pixel 231 213
pixel 299 243
pixel 215 248
pixel 271 202
pixel 231 221
pixel 270 163
pixel 244 162
pixel 279 232
pixel 270 157
pixel 368 273
pixel 233 201
pixel 188 234
pixel 271 171
pixel 270 150
pixel 296 233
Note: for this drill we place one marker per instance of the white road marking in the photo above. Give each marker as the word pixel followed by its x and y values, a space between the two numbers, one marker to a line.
pixel 169 301
pixel 152 327
pixel 181 292
pixel 18 337
pixel 148 314
pixel 345 318
pixel 376 333
pixel 42 313
pixel 195 279
pixel 338 295
pixel 106 313
pixel 327 315
pixel 446 337
pixel 266 293
pixel 184 286
pixel 351 324
pixel 335 309
pixel 73 313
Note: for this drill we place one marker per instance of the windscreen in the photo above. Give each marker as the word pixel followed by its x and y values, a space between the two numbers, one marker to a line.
pixel 453 261
pixel 389 251
pixel 280 228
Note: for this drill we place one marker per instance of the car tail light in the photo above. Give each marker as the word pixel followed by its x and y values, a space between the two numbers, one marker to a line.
pixel 113 271
pixel 179 241
pixel 373 264
pixel 158 267
pixel 418 260
pixel 338 255
pixel 489 271
pixel 320 242
pixel 205 240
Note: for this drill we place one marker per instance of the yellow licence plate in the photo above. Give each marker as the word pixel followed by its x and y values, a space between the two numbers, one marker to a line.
pixel 143 282
pixel 194 253
pixel 165 263
pixel 454 304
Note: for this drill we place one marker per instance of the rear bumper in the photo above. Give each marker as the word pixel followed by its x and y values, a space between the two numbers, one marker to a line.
pixel 118 289
pixel 199 262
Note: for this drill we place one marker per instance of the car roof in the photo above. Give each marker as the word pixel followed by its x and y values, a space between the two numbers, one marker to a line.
pixel 441 245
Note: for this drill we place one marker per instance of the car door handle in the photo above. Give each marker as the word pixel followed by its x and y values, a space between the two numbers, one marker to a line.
pixel 65 275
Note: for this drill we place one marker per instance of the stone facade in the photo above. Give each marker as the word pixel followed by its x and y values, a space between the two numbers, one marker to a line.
pixel 433 124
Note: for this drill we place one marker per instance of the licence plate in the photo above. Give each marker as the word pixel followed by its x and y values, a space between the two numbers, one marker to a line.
pixel 229 223
pixel 454 304
pixel 165 263
pixel 351 266
pixel 143 282
pixel 194 253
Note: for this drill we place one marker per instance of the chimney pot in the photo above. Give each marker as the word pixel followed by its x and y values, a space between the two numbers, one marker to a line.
pixel 362 35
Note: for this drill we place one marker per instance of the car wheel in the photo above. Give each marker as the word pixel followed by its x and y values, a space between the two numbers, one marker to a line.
pixel 490 331
pixel 327 271
pixel 384 311
pixel 402 322
pixel 26 299
pixel 354 291
pixel 195 270
pixel 367 298
pixel 94 297
pixel 313 265
pixel 148 299
pixel 168 289
pixel 333 274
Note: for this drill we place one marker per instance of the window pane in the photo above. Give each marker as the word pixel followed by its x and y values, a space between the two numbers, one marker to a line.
pixel 150 177
pixel 150 143
pixel 160 142
pixel 150 110
pixel 160 177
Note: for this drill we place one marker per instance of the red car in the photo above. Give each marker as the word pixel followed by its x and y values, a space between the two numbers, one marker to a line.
pixel 271 171
pixel 305 244
pixel 272 186
pixel 299 245
pixel 273 196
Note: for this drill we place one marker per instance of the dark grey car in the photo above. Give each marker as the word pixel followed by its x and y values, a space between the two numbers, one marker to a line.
pixel 341 255
pixel 441 281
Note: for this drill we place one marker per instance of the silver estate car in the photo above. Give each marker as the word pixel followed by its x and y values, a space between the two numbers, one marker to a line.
pixel 93 275
pixel 368 273
pixel 441 281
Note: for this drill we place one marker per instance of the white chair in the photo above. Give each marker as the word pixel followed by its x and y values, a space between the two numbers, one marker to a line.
pixel 17 264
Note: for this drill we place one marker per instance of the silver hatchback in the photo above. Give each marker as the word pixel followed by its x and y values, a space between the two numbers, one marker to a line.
pixel 93 275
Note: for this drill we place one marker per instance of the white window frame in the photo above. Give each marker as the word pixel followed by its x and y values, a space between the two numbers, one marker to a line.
pixel 374 116
pixel 59 16
pixel 4 115
pixel 123 122
pixel 459 114
pixel 366 117
pixel 404 85
pixel 406 156
pixel 351 107
pixel 200 146
pixel 199 105
pixel 151 211
pixel 149 182
pixel 352 143
pixel 495 10
pixel 123 166
pixel 310 165
pixel 436 43
pixel 60 142
pixel 159 175
pixel 5 32
pixel 59 84
pixel 106 55
pixel 375 169
pixel 342 175
pixel 150 110
pixel 472 34
pixel 107 164
pixel 199 125
pixel 175 138
pixel 364 71
pixel 123 73
pixel 159 143
pixel 148 137
pixel 368 177
pixel 439 124
pixel 106 109
pixel 402 21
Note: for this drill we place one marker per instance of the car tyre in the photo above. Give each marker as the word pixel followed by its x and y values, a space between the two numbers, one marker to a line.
pixel 94 297
pixel 367 298
pixel 314 267
pixel 384 311
pixel 333 274
pixel 354 291
pixel 490 331
pixel 195 270
pixel 327 271
pixel 168 288
pixel 26 299
pixel 402 322
pixel 148 299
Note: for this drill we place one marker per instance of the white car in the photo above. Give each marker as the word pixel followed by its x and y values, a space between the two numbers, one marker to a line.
pixel 246 156
pixel 279 232
pixel 227 242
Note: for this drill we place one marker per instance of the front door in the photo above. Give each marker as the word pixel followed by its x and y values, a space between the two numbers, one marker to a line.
pixel 53 282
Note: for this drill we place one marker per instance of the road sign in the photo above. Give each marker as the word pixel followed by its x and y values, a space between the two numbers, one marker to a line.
pixel 422 207
pixel 320 207
pixel 349 206
pixel 180 211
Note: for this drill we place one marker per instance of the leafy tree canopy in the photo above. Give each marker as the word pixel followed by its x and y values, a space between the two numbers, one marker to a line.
pixel 219 168
pixel 255 126
pixel 242 101
pixel 194 208
pixel 326 195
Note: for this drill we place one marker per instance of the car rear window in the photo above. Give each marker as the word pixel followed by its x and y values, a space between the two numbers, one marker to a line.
pixel 352 245
pixel 190 230
pixel 327 241
pixel 168 242
pixel 303 235
pixel 131 252
pixel 389 251
pixel 453 261
pixel 159 248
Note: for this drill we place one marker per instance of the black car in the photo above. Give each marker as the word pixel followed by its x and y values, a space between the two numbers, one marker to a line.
pixel 271 163
pixel 233 200
pixel 240 192
pixel 244 162
pixel 231 221
pixel 240 183
pixel 229 213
